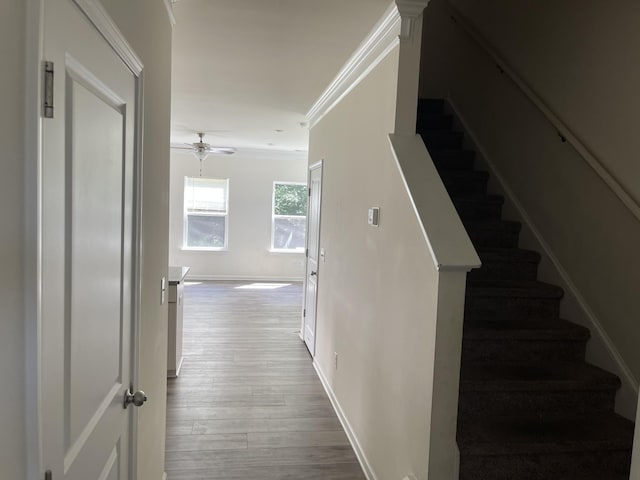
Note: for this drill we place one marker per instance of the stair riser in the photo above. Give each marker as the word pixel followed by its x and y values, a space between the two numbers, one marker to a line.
pixel 557 466
pixel 436 140
pixel 518 350
pixel 493 270
pixel 493 238
pixel 479 211
pixel 462 185
pixel 430 105
pixel 510 308
pixel 433 121
pixel 496 403
pixel 456 163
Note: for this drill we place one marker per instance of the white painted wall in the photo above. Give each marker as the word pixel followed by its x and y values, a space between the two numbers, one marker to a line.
pixel 12 412
pixel 378 288
pixel 251 175
pixel 146 26
pixel 589 232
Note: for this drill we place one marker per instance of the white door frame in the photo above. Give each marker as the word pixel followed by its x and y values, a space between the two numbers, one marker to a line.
pixel 312 167
pixel 32 259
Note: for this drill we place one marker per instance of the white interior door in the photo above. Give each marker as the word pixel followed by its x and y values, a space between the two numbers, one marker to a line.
pixel 87 242
pixel 313 250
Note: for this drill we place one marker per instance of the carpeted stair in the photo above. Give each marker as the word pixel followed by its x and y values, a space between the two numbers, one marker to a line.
pixel 530 407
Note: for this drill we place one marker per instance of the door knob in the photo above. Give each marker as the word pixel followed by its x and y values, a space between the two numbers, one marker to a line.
pixel 137 399
pixel 314 273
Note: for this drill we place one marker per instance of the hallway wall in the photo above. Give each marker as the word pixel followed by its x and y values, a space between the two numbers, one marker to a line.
pixel 12 365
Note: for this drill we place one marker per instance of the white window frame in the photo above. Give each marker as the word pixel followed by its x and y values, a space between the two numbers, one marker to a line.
pixel 185 216
pixel 274 216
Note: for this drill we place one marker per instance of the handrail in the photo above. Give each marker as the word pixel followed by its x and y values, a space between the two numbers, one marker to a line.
pixel 563 130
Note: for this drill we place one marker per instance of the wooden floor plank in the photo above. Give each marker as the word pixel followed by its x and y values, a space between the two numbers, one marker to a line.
pixel 248 403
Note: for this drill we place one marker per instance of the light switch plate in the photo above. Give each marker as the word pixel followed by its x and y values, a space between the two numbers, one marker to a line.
pixel 374 216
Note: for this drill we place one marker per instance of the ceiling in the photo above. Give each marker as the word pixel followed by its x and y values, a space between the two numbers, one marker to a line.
pixel 247 71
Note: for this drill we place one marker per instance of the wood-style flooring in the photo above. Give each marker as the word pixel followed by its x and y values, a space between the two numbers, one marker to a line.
pixel 248 403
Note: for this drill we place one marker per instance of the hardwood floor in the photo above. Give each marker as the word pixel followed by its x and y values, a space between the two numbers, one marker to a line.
pixel 248 404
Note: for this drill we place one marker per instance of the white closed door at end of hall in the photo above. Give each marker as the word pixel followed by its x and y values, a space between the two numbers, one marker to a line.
pixel 313 250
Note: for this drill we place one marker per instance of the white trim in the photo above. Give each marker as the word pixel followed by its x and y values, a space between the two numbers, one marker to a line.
pixel 172 18
pixel 629 389
pixel 558 124
pixel 32 262
pixel 351 435
pixel 379 43
pixel 96 13
pixel 241 278
pixel 448 242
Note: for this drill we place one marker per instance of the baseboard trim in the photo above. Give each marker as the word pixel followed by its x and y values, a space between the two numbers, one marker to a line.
pixel 242 278
pixel 628 393
pixel 353 439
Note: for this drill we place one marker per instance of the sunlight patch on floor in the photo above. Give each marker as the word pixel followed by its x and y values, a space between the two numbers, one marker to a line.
pixel 262 286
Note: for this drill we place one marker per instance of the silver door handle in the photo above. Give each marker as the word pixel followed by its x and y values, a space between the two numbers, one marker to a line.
pixel 137 399
pixel 314 273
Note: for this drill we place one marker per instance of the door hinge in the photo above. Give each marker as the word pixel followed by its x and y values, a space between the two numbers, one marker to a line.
pixel 307 253
pixel 47 106
pixel 304 312
pixel 48 475
pixel 309 191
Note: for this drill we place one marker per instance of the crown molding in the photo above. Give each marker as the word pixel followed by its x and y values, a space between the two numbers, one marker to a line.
pixel 396 24
pixel 168 4
pixel 97 15
pixel 382 39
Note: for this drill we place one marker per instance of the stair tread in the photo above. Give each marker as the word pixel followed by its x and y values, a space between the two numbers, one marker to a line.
pixel 476 198
pixel 430 105
pixel 536 376
pixel 455 174
pixel 533 330
pixel 513 288
pixel 493 224
pixel 544 434
pixel 488 254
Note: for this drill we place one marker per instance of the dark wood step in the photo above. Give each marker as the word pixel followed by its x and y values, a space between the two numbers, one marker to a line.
pixel 506 264
pixel 453 159
pixel 437 140
pixel 460 183
pixel 478 207
pixel 525 386
pixel 547 447
pixel 534 340
pixel 511 300
pixel 493 233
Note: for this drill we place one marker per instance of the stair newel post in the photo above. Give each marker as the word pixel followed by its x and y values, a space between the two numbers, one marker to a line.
pixel 409 64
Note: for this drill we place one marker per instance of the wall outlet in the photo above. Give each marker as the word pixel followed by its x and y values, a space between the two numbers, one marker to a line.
pixel 335 360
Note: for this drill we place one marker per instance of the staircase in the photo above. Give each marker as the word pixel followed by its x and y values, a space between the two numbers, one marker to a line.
pixel 530 407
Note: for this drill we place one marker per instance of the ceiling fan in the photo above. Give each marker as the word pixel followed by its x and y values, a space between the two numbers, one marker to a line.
pixel 202 150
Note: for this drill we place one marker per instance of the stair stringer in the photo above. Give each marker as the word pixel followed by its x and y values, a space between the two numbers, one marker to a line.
pixel 601 350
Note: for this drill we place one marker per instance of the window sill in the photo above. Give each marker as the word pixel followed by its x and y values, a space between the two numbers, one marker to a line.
pixel 204 249
pixel 285 250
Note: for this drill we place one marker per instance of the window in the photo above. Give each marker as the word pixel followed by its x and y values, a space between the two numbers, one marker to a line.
pixel 205 213
pixel 289 216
